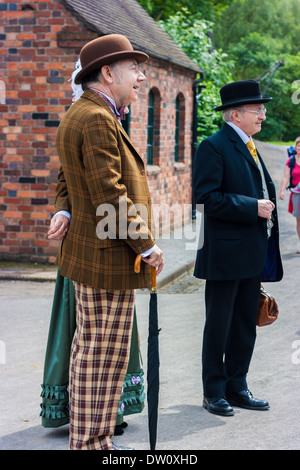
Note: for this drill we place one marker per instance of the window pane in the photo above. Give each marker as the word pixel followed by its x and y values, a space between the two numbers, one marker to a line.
pixel 150 128
pixel 126 122
pixel 176 150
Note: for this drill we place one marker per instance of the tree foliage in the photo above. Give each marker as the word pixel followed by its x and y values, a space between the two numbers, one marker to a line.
pixel 235 40
pixel 256 35
pixel 193 36
pixel 204 9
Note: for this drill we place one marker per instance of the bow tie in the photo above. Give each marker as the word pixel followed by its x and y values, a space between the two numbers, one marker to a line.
pixel 252 149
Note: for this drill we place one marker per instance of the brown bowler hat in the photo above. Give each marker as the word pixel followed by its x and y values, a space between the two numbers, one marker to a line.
pixel 104 51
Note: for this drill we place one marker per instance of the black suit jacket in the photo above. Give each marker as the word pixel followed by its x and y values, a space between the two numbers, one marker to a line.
pixel 227 181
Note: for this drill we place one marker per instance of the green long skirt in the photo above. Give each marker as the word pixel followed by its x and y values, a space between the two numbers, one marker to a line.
pixel 55 396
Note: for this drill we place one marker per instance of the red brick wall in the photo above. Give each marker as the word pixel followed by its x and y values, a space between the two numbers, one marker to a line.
pixel 39 44
pixel 169 182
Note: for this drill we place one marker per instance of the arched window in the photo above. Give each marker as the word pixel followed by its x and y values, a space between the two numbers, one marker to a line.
pixel 153 127
pixel 126 122
pixel 150 141
pixel 179 128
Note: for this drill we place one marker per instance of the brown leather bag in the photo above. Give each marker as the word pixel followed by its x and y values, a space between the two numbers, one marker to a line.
pixel 267 309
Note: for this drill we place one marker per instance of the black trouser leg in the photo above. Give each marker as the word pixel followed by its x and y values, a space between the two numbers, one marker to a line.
pixel 229 334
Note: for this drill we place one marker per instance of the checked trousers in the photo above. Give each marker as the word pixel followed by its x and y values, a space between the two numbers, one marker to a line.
pixel 98 364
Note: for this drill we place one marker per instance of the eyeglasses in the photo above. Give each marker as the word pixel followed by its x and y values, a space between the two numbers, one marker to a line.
pixel 259 112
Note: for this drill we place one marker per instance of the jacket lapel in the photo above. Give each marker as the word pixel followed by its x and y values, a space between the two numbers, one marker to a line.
pixel 91 95
pixel 268 179
pixel 129 143
pixel 239 145
pixel 242 148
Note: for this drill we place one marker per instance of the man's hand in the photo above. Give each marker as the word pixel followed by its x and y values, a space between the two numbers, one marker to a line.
pixel 155 259
pixel 58 227
pixel 265 208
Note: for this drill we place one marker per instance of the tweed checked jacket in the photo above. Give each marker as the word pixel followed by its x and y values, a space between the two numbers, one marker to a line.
pixel 102 183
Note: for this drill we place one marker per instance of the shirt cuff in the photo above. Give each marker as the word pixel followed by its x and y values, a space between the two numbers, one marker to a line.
pixel 148 252
pixel 66 213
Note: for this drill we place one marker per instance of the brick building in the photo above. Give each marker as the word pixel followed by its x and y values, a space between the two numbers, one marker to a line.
pixel 39 45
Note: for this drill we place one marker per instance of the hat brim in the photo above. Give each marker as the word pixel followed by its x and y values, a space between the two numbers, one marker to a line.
pixel 140 57
pixel 231 104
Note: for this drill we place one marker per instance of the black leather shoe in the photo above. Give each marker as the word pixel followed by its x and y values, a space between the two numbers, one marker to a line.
pixel 118 430
pixel 218 406
pixel 244 399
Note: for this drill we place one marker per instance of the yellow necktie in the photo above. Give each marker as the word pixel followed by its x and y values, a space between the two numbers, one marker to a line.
pixel 252 149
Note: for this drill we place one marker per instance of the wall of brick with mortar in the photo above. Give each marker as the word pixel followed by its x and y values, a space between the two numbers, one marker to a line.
pixel 39 45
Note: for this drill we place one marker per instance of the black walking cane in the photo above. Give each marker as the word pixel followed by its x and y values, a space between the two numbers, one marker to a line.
pixel 152 358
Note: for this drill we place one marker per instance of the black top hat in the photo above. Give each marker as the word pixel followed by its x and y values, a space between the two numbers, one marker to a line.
pixel 239 93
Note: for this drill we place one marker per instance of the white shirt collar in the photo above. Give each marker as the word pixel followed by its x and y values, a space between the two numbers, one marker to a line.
pixel 245 138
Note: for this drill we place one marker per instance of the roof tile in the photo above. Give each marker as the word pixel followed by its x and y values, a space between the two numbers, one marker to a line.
pixel 129 18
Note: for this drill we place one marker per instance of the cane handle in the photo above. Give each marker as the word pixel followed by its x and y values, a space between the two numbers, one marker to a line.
pixel 137 264
pixel 137 268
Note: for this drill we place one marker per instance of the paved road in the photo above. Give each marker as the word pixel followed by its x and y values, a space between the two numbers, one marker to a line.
pixel 183 423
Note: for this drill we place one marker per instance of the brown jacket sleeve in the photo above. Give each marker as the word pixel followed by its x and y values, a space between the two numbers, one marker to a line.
pixel 62 202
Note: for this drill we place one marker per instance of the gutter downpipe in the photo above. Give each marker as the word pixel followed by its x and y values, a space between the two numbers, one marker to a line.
pixel 197 91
